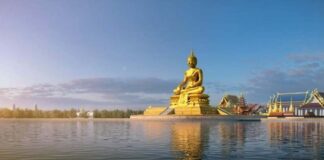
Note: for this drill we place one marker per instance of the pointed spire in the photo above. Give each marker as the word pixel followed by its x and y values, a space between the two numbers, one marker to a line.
pixel 269 108
pixel 275 108
pixel 269 105
pixel 280 106
pixel 242 102
pixel 192 53
pixel 291 107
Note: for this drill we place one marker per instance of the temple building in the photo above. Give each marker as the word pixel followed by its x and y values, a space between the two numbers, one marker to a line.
pixel 236 105
pixel 296 104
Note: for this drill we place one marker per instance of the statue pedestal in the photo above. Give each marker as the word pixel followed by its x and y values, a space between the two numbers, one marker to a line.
pixel 154 111
pixel 198 104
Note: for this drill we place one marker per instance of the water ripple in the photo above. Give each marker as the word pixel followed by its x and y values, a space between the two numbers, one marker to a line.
pixel 125 139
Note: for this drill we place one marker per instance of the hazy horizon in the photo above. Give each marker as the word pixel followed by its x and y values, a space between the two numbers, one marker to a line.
pixel 109 54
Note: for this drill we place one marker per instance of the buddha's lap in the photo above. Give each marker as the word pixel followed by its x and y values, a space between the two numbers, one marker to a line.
pixel 198 89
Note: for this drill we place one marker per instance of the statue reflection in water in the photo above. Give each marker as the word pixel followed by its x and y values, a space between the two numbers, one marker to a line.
pixel 189 139
pixel 237 140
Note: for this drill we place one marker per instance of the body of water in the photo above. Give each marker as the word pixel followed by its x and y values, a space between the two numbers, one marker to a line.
pixel 126 139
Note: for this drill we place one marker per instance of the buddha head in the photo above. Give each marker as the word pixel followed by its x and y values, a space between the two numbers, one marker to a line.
pixel 192 60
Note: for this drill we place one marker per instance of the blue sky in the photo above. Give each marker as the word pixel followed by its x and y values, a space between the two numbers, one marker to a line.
pixel 130 54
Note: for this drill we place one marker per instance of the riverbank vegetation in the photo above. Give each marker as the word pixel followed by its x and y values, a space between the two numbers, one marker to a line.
pixel 70 113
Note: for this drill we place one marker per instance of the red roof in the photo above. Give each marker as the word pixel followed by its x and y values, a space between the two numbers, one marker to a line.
pixel 254 107
pixel 312 106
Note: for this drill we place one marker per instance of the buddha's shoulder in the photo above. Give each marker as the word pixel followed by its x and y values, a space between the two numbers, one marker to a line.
pixel 198 69
pixel 190 71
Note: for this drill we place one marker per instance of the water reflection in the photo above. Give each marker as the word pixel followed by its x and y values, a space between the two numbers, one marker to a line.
pixel 309 133
pixel 125 139
pixel 237 140
pixel 301 138
pixel 154 130
pixel 189 138
pixel 231 137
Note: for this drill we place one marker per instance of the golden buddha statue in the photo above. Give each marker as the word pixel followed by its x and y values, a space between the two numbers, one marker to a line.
pixel 188 96
pixel 192 81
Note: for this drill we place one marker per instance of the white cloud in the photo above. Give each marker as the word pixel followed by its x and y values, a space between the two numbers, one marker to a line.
pixel 141 92
pixel 97 92
pixel 307 74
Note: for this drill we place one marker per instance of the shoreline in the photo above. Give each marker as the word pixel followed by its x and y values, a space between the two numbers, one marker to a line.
pixel 292 119
pixel 64 119
pixel 202 117
pixel 178 118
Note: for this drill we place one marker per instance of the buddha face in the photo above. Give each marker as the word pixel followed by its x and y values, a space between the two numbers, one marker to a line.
pixel 192 62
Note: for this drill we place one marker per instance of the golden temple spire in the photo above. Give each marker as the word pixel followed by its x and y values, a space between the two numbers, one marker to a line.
pixel 269 108
pixel 275 108
pixel 280 106
pixel 291 107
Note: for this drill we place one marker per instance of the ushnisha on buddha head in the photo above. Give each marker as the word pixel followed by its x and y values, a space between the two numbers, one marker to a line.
pixel 192 60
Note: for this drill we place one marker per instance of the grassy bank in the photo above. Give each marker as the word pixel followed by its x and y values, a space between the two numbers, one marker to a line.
pixel 70 113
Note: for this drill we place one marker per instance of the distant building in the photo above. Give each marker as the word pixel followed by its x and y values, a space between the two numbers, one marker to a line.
pixel 84 114
pixel 297 104
pixel 80 113
pixel 236 105
pixel 90 114
pixel 228 101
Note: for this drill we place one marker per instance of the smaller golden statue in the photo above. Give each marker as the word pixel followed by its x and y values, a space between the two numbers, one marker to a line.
pixel 189 93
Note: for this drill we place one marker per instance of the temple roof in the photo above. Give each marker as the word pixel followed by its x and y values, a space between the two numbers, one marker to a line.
pixel 321 93
pixel 232 99
pixel 311 106
pixel 296 98
pixel 304 100
pixel 229 101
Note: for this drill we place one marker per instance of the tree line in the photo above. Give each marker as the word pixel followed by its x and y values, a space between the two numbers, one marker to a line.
pixel 70 113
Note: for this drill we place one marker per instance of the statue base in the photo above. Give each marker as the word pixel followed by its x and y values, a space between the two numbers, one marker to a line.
pixel 154 111
pixel 193 111
pixel 198 104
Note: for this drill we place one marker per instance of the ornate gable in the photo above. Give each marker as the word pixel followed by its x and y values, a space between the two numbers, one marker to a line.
pixel 317 97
